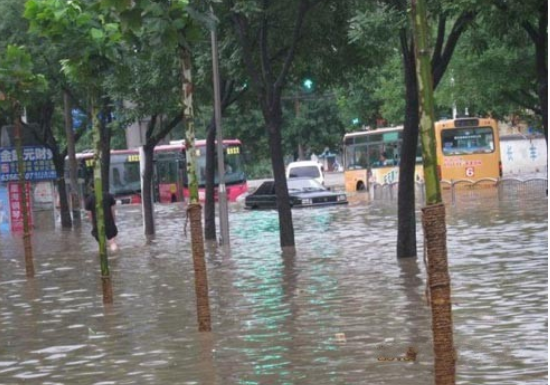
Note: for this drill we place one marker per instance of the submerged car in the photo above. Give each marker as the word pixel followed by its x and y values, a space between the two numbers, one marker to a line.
pixel 303 192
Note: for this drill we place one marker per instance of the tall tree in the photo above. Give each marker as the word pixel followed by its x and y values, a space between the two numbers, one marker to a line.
pixel 444 46
pixel 175 24
pixel 43 111
pixel 257 20
pixel 272 36
pixel 142 86
pixel 452 20
pixel 17 82
pixel 433 219
pixel 92 45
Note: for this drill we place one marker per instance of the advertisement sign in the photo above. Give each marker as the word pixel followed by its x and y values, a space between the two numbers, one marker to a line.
pixel 38 164
pixel 4 206
pixel 16 205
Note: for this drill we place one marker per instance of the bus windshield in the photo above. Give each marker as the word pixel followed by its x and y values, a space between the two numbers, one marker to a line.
pixel 469 140
pixel 124 176
pixel 234 166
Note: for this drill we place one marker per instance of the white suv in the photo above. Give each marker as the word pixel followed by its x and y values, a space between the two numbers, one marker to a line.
pixel 306 168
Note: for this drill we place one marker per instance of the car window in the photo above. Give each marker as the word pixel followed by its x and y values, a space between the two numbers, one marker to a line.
pixel 266 188
pixel 304 171
pixel 297 185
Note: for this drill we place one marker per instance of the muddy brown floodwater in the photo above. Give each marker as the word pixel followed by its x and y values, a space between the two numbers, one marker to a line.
pixel 342 311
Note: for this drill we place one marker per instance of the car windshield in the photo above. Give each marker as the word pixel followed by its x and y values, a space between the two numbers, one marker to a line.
pixel 300 185
pixel 307 171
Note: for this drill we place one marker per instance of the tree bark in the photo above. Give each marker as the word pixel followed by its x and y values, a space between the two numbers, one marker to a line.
pixel 99 189
pixel 64 209
pixel 286 228
pixel 541 47
pixel 406 216
pixel 147 192
pixel 199 264
pixel 27 240
pixel 105 144
pixel 439 283
pixel 194 210
pixel 209 201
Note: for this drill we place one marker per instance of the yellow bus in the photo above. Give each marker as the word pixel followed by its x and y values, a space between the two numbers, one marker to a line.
pixel 468 149
pixel 373 157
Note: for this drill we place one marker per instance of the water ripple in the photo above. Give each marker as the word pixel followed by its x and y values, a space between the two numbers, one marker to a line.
pixel 324 316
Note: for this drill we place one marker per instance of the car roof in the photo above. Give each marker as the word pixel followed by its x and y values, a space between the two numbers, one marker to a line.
pixel 269 184
pixel 304 163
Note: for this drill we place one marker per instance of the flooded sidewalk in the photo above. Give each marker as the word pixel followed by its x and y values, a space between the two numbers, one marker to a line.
pixel 336 313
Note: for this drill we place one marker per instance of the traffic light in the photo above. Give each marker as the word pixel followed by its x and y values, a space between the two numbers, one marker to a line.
pixel 308 84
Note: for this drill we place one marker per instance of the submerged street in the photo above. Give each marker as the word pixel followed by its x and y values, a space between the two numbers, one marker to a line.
pixel 336 313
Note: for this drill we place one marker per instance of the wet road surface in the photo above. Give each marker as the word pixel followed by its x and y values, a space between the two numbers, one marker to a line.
pixel 326 316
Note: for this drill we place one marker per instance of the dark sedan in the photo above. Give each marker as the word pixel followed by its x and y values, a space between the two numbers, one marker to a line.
pixel 303 192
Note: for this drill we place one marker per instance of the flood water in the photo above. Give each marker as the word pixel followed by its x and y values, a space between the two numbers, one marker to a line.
pixel 326 316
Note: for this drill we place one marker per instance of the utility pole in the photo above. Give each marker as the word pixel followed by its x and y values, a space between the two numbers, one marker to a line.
pixel 222 192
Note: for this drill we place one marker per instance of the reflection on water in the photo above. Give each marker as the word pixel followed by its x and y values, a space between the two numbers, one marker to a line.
pixel 323 316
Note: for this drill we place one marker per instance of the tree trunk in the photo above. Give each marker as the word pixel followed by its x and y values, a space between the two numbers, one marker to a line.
pixel 433 218
pixel 286 228
pixel 147 192
pixel 541 48
pixel 99 212
pixel 209 202
pixel 194 209
pixel 27 240
pixel 105 143
pixel 64 208
pixel 406 217
pixel 73 167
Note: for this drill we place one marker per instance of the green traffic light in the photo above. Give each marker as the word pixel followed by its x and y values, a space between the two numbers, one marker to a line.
pixel 308 83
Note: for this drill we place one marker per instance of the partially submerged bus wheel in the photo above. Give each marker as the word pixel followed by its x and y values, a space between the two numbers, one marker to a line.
pixel 360 186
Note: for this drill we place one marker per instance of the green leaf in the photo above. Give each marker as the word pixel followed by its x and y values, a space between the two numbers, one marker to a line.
pixel 131 20
pixel 97 34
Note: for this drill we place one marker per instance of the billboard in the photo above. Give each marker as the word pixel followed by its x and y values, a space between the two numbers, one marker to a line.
pixel 38 164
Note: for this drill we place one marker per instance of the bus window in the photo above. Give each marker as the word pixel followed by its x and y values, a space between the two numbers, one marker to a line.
pixel 356 157
pixel 464 141
pixel 125 178
pixel 374 156
pixel 384 154
pixel 167 171
pixel 234 166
